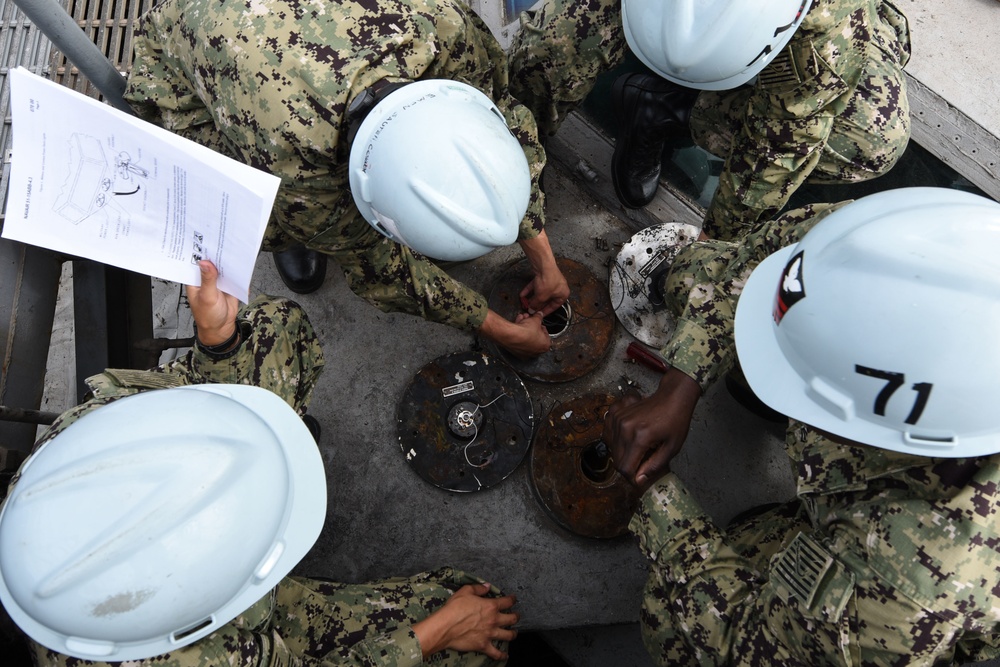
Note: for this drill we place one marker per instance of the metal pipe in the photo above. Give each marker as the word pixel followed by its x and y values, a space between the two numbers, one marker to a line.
pixel 53 20
pixel 8 413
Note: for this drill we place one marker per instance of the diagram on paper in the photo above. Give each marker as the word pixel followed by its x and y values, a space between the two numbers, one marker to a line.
pixel 99 184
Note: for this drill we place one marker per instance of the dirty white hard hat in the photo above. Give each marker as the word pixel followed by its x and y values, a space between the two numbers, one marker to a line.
pixel 154 520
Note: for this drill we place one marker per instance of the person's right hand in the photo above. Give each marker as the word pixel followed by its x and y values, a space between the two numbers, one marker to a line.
pixel 644 434
pixel 469 621
pixel 213 310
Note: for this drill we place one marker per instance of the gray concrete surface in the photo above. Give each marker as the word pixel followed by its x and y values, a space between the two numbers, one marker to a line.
pixel 384 520
pixel 953 54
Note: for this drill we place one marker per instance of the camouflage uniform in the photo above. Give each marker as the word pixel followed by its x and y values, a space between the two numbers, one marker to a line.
pixel 883 558
pixel 312 623
pixel 832 107
pixel 268 84
pixel 302 622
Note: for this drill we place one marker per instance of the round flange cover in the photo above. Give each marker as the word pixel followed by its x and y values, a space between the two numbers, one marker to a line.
pixel 465 421
pixel 633 283
pixel 573 475
pixel 581 331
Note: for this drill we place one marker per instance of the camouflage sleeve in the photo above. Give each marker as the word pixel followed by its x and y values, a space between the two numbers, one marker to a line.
pixel 394 278
pixel 279 351
pixel 522 126
pixel 704 285
pixel 698 588
pixel 707 601
pixel 332 623
pixel 157 90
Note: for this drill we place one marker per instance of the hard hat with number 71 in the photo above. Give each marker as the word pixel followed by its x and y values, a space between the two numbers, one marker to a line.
pixel 878 325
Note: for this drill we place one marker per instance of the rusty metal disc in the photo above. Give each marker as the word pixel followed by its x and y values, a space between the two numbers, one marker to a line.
pixel 465 421
pixel 573 475
pixel 634 280
pixel 581 332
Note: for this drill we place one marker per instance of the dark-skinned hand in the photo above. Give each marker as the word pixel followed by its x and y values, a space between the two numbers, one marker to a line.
pixel 644 434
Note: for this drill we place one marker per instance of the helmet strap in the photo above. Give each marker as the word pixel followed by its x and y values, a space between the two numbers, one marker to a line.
pixel 365 101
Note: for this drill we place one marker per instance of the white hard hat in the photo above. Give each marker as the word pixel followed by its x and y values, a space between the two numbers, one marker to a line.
pixel 156 519
pixel 435 167
pixel 715 45
pixel 878 325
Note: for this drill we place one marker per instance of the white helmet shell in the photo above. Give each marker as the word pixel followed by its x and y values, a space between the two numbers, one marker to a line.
pixel 158 518
pixel 877 326
pixel 710 44
pixel 435 167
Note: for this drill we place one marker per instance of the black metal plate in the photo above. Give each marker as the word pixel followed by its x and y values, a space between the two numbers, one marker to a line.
pixel 580 496
pixel 465 422
pixel 586 339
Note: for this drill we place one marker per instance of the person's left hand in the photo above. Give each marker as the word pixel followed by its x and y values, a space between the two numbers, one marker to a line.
pixel 546 292
pixel 214 311
pixel 469 621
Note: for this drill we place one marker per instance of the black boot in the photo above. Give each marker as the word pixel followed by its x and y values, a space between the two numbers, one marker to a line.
pixel 313 425
pixel 740 390
pixel 649 110
pixel 301 269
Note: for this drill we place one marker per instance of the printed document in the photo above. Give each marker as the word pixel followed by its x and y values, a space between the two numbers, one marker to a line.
pixel 91 181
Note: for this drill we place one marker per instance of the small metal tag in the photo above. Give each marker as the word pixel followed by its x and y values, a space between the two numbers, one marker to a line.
pixel 457 389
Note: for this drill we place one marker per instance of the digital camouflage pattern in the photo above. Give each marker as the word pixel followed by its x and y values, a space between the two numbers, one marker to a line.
pixel 882 559
pixel 311 623
pixel 267 82
pixel 832 107
pixel 704 283
pixel 557 55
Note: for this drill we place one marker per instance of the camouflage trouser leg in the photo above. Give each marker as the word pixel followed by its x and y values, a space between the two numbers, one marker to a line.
pixel 686 620
pixel 865 142
pixel 280 352
pixel 558 53
pixel 319 619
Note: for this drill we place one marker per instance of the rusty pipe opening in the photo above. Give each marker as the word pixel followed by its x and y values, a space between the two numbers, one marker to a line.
pixel 596 462
pixel 557 321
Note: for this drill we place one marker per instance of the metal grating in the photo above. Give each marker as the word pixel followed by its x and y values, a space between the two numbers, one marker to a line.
pixel 109 25
pixel 21 43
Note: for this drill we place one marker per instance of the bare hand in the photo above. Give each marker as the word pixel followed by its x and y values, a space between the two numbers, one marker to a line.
pixel 644 434
pixel 545 293
pixel 549 289
pixel 525 337
pixel 468 621
pixel 530 338
pixel 214 311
